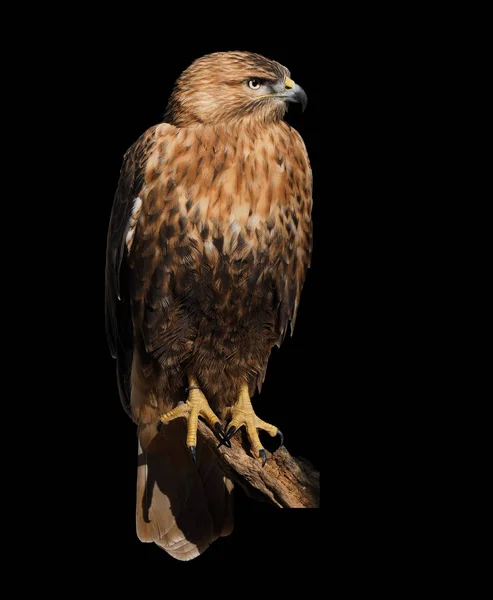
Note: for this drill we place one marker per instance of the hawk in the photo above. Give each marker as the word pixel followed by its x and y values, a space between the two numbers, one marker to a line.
pixel 209 241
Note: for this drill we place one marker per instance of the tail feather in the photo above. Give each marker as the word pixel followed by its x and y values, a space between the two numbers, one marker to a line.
pixel 181 506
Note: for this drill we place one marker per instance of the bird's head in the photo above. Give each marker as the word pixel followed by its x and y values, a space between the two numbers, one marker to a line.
pixel 230 86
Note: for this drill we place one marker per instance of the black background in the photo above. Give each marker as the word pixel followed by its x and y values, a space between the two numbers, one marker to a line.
pixel 348 390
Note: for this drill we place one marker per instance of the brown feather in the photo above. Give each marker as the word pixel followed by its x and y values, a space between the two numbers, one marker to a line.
pixel 181 506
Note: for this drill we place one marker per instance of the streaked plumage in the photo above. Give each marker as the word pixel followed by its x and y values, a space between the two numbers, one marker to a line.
pixel 208 246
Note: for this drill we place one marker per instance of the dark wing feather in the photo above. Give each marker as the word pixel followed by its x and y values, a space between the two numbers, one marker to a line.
pixel 117 300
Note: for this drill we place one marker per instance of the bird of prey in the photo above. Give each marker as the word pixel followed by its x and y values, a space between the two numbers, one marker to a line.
pixel 209 241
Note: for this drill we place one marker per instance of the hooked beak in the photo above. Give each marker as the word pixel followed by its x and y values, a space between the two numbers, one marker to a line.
pixel 295 93
pixel 289 92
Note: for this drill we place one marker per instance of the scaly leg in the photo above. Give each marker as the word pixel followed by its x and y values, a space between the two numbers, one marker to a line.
pixel 243 414
pixel 196 406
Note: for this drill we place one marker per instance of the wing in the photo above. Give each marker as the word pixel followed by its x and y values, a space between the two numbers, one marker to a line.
pixel 117 298
pixel 294 244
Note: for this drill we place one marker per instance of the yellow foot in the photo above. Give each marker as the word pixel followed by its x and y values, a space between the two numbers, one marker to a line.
pixel 196 406
pixel 244 415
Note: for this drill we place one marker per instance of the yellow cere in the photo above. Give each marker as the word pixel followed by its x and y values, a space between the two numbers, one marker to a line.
pixel 289 83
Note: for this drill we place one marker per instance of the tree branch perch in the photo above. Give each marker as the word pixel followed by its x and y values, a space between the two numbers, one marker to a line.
pixel 285 481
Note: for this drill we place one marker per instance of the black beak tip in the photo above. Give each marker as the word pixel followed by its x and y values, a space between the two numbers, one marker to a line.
pixel 303 100
pixel 299 96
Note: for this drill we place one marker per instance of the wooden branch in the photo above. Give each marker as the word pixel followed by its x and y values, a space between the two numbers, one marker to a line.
pixel 285 481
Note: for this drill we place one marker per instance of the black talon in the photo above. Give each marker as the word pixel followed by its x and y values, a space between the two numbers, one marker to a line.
pixel 263 456
pixel 231 432
pixel 193 453
pixel 279 433
pixel 221 434
pixel 218 427
pixel 159 426
pixel 224 442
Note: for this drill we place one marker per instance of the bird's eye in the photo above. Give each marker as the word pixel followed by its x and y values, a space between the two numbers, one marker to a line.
pixel 254 84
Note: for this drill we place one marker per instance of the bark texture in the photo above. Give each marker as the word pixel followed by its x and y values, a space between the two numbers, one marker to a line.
pixel 285 481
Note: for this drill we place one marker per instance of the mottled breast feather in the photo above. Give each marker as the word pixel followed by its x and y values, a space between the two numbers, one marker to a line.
pixel 220 249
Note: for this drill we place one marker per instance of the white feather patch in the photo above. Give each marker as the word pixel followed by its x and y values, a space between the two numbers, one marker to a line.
pixel 132 222
pixel 235 228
